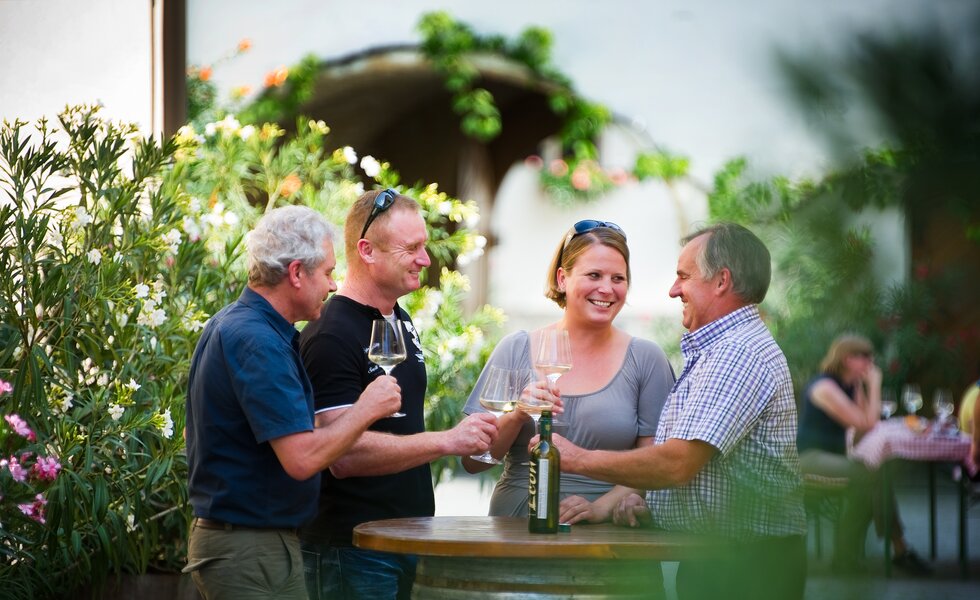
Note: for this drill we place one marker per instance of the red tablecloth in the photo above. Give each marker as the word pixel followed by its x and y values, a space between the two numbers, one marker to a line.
pixel 894 439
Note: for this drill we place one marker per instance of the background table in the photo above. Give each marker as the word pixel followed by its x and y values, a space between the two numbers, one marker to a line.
pixel 479 557
pixel 893 439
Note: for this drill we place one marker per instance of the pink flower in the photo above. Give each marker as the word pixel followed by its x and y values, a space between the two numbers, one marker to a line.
pixel 35 510
pixel 534 161
pixel 46 468
pixel 619 176
pixel 581 179
pixel 558 167
pixel 18 472
pixel 5 388
pixel 20 427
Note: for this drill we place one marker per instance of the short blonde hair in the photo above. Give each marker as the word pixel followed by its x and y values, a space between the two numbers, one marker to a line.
pixel 849 344
pixel 360 211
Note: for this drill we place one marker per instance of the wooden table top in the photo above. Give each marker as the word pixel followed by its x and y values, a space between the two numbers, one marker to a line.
pixel 507 537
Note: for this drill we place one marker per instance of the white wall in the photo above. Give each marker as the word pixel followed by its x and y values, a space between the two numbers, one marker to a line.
pixel 59 52
pixel 697 77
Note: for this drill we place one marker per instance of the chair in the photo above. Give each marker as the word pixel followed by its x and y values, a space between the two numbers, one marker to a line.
pixel 823 498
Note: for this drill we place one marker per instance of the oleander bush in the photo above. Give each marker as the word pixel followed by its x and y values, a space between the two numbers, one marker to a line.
pixel 115 249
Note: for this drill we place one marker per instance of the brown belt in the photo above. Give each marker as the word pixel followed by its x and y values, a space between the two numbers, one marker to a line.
pixel 221 525
pixel 209 524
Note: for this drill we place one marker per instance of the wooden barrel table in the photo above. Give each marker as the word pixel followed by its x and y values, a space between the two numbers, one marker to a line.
pixel 496 557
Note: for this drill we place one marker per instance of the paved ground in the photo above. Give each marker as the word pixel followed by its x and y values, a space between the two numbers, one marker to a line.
pixel 945 583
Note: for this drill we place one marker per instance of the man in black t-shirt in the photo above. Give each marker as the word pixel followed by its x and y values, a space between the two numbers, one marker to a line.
pixel 386 474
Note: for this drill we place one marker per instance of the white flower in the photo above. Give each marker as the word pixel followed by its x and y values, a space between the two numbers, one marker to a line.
pixel 94 256
pixel 192 229
pixel 142 290
pixel 172 239
pixel 349 155
pixel 246 132
pixel 372 168
pixel 445 207
pixel 102 380
pixel 133 385
pixel 231 219
pixel 227 125
pixel 62 406
pixel 130 522
pixel 193 325
pixel 156 318
pixel 168 425
pixel 82 218
pixel 116 411
pixel 55 238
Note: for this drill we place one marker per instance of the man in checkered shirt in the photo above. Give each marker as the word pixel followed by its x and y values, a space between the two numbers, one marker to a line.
pixel 724 461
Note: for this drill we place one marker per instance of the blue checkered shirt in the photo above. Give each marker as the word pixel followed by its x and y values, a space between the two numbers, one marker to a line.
pixel 734 393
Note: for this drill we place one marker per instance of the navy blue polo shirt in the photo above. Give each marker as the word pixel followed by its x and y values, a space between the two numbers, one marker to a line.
pixel 247 385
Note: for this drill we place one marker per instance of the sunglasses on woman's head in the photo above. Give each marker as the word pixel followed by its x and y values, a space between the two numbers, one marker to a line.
pixel 382 202
pixel 585 226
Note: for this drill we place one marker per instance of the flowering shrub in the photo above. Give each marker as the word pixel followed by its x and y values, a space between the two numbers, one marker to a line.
pixel 116 249
pixel 99 303
pixel 25 472
pixel 241 167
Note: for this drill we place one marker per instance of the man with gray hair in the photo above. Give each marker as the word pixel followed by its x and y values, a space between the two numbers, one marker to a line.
pixel 724 461
pixel 254 457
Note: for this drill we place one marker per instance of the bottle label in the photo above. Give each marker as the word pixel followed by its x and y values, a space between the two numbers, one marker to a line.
pixel 542 489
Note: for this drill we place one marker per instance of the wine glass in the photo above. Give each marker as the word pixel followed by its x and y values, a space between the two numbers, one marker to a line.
pixel 942 404
pixel 499 395
pixel 911 398
pixel 553 358
pixel 387 346
pixel 888 403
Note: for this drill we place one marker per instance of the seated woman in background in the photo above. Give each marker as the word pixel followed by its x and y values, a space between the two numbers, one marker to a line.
pixel 614 392
pixel 847 393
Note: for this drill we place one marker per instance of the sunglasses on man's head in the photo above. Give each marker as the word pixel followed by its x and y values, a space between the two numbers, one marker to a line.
pixel 382 202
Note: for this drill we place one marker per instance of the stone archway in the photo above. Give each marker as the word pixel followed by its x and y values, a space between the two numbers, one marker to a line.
pixel 389 103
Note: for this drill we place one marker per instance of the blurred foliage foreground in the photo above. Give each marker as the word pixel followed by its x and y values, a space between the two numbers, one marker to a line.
pixel 919 92
pixel 115 249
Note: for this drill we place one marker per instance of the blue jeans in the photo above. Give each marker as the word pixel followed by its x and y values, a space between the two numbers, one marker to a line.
pixel 344 573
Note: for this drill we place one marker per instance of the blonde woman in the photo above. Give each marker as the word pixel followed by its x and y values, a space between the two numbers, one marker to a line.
pixel 612 396
pixel 847 394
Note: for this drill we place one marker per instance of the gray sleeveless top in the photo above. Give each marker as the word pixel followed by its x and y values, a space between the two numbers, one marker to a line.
pixel 610 418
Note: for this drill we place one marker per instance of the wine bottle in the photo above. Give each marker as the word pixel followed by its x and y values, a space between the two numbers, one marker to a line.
pixel 543 481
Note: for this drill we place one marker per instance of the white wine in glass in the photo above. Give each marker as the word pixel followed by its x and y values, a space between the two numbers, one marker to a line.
pixel 942 405
pixel 554 355
pixel 553 359
pixel 499 395
pixel 911 398
pixel 888 403
pixel 387 347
